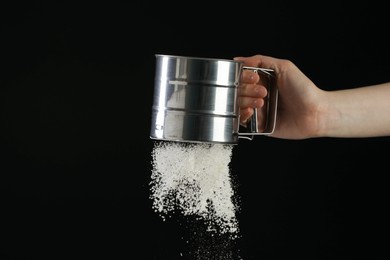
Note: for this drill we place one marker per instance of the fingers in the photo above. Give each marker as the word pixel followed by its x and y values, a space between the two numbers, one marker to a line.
pixel 245 114
pixel 253 61
pixel 249 86
pixel 260 61
pixel 250 77
pixel 251 94
pixel 253 90
pixel 250 102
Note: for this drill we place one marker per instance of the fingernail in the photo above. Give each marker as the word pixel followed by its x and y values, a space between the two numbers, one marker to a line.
pixel 255 102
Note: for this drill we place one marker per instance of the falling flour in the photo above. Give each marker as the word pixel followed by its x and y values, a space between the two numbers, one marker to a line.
pixel 195 180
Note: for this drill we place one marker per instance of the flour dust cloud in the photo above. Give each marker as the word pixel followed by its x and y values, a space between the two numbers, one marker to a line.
pixel 194 179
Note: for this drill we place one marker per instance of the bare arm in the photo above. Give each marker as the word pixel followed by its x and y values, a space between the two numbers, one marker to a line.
pixel 359 112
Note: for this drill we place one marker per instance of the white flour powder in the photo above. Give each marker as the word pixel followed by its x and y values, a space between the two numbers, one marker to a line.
pixel 194 179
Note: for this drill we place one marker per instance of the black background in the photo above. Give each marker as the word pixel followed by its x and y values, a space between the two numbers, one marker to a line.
pixel 76 95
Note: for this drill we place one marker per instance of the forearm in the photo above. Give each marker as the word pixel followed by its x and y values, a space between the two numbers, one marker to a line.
pixel 359 112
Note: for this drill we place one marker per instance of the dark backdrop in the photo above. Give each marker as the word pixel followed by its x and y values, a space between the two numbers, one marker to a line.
pixel 76 95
